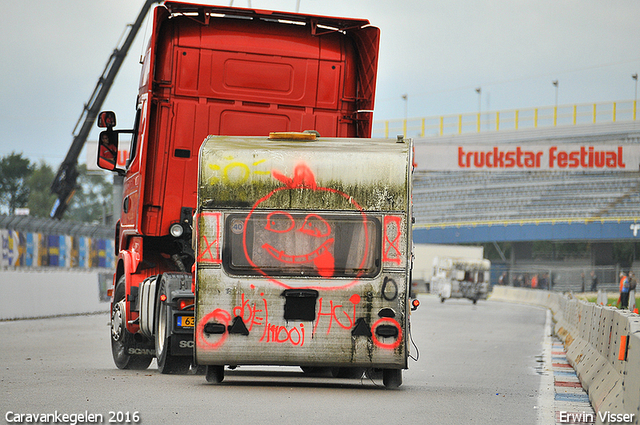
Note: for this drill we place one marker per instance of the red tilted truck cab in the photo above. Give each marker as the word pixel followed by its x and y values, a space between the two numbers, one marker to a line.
pixel 215 70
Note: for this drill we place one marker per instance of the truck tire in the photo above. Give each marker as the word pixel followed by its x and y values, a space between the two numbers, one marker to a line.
pixel 121 338
pixel 215 374
pixel 392 378
pixel 167 363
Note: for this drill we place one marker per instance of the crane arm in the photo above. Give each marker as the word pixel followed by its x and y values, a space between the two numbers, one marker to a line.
pixel 64 184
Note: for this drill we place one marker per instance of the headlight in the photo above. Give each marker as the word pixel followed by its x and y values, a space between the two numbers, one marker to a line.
pixel 176 230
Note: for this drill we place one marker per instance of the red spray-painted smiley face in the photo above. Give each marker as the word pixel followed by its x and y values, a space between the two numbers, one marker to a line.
pixel 315 231
pixel 314 227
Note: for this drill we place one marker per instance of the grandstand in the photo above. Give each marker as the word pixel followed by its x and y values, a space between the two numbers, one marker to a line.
pixel 456 198
pixel 521 207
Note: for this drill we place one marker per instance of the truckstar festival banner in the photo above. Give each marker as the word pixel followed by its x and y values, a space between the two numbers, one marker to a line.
pixel 526 157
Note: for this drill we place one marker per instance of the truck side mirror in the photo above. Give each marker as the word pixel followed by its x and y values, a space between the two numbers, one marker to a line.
pixel 107 119
pixel 108 150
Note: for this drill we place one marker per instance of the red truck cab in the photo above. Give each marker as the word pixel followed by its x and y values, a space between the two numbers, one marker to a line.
pixel 214 70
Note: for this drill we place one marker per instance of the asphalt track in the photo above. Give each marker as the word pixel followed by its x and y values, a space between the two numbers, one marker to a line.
pixel 477 364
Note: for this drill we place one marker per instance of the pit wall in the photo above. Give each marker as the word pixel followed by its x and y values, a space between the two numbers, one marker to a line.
pixel 602 345
pixel 48 292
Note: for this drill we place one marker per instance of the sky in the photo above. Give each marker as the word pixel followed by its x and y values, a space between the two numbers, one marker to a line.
pixel 435 52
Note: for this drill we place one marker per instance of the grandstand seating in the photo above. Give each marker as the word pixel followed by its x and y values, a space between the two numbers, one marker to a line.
pixel 449 198
pixel 473 197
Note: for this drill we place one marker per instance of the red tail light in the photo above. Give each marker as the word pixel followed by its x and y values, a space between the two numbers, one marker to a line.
pixel 415 304
pixel 184 304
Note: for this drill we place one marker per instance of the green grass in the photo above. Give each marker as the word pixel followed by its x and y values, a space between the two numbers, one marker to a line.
pixel 611 300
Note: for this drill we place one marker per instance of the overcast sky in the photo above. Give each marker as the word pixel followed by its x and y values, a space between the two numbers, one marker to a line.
pixel 437 52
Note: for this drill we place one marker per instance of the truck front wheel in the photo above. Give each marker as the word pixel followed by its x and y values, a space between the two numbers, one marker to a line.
pixel 121 338
pixel 167 363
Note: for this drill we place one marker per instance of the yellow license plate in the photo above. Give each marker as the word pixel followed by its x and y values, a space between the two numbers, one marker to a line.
pixel 186 321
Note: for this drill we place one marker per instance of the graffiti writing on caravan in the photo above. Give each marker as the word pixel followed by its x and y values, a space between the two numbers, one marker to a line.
pixel 234 171
pixel 255 316
pixel 551 158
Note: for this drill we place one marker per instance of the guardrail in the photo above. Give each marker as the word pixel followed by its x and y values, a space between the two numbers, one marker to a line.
pixel 602 345
pixel 29 242
pixel 514 119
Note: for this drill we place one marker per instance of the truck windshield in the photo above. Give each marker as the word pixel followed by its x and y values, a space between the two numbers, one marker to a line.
pixel 283 243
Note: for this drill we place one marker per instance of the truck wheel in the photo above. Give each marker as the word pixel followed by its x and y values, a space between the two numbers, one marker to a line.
pixel 392 378
pixel 121 338
pixel 215 374
pixel 167 363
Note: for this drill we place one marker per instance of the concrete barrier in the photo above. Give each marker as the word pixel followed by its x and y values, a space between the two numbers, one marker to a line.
pixel 46 292
pixel 602 345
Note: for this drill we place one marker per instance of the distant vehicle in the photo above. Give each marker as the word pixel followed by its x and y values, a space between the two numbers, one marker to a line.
pixel 460 278
pixel 422 272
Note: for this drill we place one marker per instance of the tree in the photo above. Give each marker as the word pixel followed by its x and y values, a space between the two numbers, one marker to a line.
pixel 14 172
pixel 40 197
pixel 91 202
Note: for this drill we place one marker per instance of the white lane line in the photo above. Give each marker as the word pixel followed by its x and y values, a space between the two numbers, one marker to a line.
pixel 546 392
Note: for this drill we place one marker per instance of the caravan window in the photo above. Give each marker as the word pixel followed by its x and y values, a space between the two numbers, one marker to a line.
pixel 283 243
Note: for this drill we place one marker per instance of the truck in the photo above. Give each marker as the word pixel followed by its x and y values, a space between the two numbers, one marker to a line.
pixel 424 254
pixel 461 278
pixel 215 70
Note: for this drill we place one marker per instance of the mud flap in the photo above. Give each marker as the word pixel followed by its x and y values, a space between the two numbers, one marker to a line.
pixel 182 344
pixel 140 348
